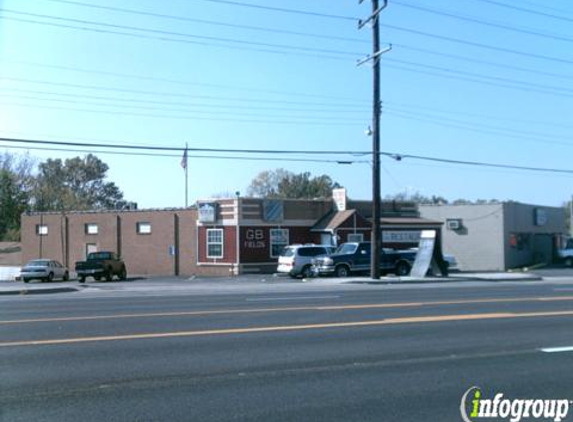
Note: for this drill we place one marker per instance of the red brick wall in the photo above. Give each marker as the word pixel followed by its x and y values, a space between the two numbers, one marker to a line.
pixel 229 245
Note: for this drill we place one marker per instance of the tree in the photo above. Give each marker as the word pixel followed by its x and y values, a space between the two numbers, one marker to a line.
pixel 281 183
pixel 304 186
pixel 417 197
pixel 266 183
pixel 16 183
pixel 75 184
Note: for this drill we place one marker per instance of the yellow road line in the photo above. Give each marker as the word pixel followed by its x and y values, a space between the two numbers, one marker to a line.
pixel 291 309
pixel 389 321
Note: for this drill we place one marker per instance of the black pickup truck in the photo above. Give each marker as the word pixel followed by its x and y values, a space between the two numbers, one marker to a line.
pixel 355 257
pixel 101 265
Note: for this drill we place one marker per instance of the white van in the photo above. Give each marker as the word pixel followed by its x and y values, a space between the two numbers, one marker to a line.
pixel 295 260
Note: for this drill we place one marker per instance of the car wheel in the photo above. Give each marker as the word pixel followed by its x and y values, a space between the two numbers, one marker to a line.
pixel 569 262
pixel 342 271
pixel 66 276
pixel 123 274
pixel 307 272
pixel 50 277
pixel 82 279
pixel 108 275
pixel 26 280
pixel 402 268
pixel 97 277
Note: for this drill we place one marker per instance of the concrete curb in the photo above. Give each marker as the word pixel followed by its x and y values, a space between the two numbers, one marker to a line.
pixel 406 280
pixel 32 291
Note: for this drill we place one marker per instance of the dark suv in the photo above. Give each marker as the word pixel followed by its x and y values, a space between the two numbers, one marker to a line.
pixel 355 257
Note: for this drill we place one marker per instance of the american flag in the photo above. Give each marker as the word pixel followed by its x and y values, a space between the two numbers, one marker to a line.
pixel 184 159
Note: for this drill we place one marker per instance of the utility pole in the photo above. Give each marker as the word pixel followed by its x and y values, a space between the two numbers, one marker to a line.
pixel 376 236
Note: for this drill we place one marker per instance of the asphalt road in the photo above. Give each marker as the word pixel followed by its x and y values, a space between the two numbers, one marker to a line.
pixel 338 354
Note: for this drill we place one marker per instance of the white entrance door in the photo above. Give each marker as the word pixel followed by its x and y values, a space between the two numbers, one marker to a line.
pixel 326 239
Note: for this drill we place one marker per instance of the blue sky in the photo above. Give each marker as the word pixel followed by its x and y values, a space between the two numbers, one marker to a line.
pixel 469 80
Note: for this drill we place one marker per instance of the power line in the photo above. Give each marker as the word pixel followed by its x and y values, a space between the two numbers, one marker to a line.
pixel 400 157
pixel 204 40
pixel 508 82
pixel 283 10
pixel 181 149
pixel 175 81
pixel 471 127
pixel 167 94
pixel 479 45
pixel 188 107
pixel 478 115
pixel 162 155
pixel 483 22
pixel 451 74
pixel 298 108
pixel 186 116
pixel 527 10
pixel 392 155
pixel 484 62
pixel 210 22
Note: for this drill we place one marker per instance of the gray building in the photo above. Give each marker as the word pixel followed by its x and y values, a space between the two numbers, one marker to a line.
pixel 498 237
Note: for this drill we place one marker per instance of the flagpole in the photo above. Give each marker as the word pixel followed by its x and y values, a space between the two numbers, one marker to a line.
pixel 186 179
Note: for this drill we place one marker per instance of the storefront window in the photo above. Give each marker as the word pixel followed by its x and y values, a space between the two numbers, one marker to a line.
pixel 214 243
pixel 279 239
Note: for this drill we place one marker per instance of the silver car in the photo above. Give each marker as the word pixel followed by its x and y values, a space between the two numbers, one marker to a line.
pixel 44 270
pixel 295 260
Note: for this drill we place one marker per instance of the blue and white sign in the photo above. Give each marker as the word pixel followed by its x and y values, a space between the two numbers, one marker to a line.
pixel 273 210
pixel 207 213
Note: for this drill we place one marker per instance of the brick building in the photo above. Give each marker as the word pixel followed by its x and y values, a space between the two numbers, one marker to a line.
pixel 151 242
pixel 217 237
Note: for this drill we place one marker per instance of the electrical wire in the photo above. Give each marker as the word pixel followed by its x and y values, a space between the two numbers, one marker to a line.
pixel 527 10
pixel 392 155
pixel 478 45
pixel 283 10
pixel 508 82
pixel 214 157
pixel 176 81
pixel 181 149
pixel 484 62
pixel 200 109
pixel 163 33
pixel 482 22
pixel 450 74
pixel 168 94
pixel 176 103
pixel 211 22
pixel 324 122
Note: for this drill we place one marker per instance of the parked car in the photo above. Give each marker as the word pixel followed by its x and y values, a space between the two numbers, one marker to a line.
pixel 296 260
pixel 565 254
pixel 101 265
pixel 355 257
pixel 44 270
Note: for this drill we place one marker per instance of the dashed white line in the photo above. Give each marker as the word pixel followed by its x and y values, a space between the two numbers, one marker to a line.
pixel 557 349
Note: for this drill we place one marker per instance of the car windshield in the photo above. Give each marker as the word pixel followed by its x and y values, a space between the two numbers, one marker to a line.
pixel 347 248
pixel 37 263
pixel 99 255
pixel 287 252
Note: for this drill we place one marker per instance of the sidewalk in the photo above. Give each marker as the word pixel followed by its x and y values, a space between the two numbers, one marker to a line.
pixel 172 283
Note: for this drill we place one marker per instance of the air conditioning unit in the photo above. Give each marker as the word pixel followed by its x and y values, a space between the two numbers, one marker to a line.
pixel 454 224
